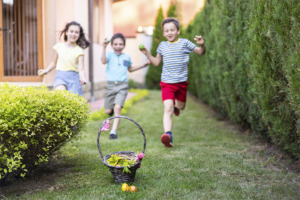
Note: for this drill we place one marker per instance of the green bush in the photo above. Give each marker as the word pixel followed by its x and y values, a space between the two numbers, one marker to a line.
pixel 34 123
pixel 251 68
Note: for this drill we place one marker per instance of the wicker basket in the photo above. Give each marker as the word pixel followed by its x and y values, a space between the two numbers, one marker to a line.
pixel 117 171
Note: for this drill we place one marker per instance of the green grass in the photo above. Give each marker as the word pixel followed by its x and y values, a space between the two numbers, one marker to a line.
pixel 210 160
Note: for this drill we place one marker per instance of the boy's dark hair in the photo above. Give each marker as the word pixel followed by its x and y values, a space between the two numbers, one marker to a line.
pixel 118 35
pixel 168 20
pixel 82 41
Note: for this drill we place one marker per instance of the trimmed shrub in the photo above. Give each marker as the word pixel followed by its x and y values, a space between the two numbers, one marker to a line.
pixel 251 68
pixel 34 123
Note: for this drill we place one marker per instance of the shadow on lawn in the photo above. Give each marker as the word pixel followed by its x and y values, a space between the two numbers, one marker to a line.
pixel 42 178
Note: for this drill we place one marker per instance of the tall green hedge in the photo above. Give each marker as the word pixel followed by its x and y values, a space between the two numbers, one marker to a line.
pixel 251 70
pixel 154 73
pixel 34 123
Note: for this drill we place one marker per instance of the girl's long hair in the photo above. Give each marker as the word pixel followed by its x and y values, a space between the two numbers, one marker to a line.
pixel 82 41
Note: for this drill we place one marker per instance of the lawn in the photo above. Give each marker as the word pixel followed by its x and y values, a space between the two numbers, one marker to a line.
pixel 211 159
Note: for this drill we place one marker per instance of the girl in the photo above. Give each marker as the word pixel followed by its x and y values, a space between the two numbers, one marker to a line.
pixel 116 89
pixel 68 60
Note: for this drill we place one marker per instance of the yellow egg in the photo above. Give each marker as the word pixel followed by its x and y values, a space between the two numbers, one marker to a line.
pixel 125 187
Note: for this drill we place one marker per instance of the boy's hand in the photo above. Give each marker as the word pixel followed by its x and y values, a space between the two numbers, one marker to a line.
pixel 143 50
pixel 199 40
pixel 146 63
pixel 105 42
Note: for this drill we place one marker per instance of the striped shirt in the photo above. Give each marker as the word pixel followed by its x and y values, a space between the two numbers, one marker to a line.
pixel 175 57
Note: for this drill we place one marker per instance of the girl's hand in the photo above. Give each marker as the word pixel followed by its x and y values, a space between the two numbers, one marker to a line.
pixel 82 82
pixel 199 40
pixel 42 72
pixel 82 79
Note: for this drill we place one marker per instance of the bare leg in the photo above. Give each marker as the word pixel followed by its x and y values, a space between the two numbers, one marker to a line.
pixel 180 105
pixel 61 87
pixel 117 110
pixel 108 111
pixel 168 111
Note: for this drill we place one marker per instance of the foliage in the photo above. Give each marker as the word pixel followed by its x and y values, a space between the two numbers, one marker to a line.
pixel 116 160
pixel 100 114
pixel 133 84
pixel 174 11
pixel 251 69
pixel 154 73
pixel 34 123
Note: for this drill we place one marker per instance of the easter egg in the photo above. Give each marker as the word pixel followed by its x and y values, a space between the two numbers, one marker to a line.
pixel 125 187
pixel 141 46
pixel 132 188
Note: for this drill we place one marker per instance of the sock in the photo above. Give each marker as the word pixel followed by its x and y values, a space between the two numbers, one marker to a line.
pixel 113 132
pixel 170 134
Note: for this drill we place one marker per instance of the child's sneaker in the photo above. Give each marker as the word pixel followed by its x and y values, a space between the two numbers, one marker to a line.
pixel 176 111
pixel 167 139
pixel 113 136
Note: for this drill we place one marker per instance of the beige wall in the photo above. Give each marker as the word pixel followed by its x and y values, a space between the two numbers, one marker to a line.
pixel 137 58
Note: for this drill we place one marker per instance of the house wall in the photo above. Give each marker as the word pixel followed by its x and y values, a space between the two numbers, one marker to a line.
pixel 138 58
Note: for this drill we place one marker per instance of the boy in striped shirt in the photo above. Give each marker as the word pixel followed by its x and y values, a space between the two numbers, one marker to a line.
pixel 175 56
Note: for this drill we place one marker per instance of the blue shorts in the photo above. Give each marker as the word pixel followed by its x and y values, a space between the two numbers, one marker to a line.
pixel 70 79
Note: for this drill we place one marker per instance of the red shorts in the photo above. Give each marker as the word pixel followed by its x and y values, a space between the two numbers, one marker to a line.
pixel 174 91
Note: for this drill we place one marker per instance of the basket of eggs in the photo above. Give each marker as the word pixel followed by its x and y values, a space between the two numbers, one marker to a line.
pixel 122 164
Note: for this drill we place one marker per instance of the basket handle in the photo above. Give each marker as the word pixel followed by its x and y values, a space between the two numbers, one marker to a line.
pixel 120 116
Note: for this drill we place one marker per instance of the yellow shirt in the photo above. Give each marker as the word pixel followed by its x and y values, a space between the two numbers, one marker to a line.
pixel 67 57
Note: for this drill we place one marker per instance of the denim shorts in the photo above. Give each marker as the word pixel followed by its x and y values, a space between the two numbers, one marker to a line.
pixel 70 79
pixel 115 93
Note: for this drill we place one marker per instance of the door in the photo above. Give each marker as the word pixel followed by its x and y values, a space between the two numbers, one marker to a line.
pixel 21 41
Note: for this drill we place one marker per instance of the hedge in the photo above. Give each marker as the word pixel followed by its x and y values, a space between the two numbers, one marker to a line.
pixel 251 70
pixel 34 123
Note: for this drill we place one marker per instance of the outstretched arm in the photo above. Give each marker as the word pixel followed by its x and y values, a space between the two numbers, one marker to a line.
pixel 132 69
pixel 82 75
pixel 50 67
pixel 103 57
pixel 154 60
pixel 199 50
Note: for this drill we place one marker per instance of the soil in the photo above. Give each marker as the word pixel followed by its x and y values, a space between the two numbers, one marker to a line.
pixel 42 178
